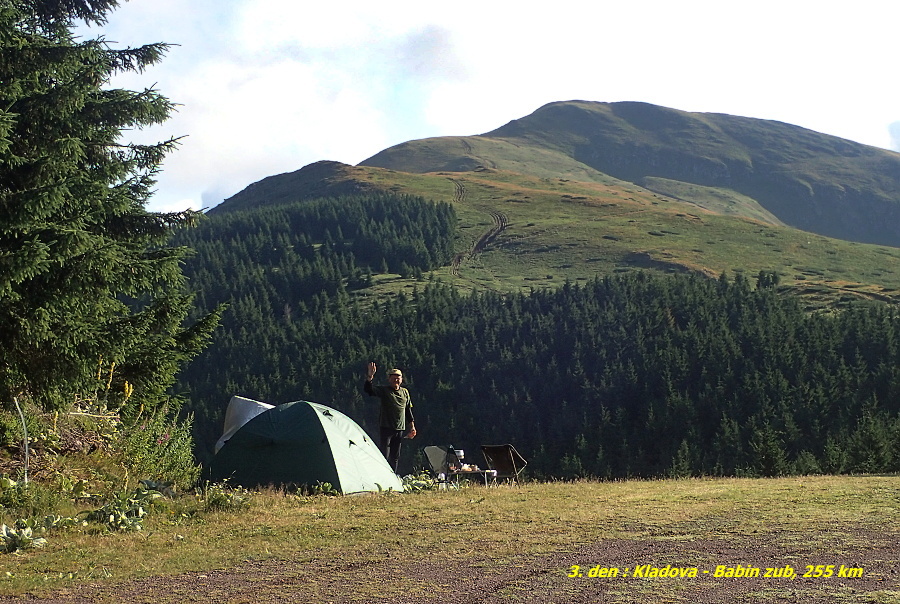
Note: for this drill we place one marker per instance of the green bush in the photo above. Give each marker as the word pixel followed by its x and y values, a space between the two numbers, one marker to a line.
pixel 219 497
pixel 160 448
pixel 31 499
pixel 10 431
pixel 15 539
pixel 125 511
pixel 423 481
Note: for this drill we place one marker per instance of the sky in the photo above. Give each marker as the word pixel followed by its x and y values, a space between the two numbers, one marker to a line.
pixel 265 87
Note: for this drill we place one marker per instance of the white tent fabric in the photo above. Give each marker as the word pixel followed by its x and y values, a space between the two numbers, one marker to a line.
pixel 240 411
pixel 361 466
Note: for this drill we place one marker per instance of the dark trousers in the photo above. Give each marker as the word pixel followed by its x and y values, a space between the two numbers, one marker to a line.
pixel 390 446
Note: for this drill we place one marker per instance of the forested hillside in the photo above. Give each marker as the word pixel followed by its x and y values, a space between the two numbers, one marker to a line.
pixel 286 272
pixel 632 375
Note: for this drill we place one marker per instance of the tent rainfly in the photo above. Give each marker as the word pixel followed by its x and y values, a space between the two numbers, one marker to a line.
pixel 299 443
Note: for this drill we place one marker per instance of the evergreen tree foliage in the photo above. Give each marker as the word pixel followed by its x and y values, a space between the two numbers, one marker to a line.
pixel 87 282
pixel 631 375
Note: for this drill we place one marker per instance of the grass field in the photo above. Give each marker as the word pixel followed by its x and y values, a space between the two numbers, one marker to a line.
pixel 497 544
pixel 560 230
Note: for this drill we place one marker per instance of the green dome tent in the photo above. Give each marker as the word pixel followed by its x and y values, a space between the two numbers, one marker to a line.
pixel 299 443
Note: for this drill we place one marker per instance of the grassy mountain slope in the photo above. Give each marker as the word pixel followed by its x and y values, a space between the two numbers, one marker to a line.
pixel 520 231
pixel 537 205
pixel 808 180
pixel 320 179
pixel 465 153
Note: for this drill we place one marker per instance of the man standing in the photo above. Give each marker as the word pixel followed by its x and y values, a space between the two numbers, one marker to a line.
pixel 396 418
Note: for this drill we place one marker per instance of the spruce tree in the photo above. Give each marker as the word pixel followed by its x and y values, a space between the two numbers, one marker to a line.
pixel 91 297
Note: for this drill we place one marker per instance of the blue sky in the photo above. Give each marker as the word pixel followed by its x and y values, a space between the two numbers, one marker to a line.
pixel 269 86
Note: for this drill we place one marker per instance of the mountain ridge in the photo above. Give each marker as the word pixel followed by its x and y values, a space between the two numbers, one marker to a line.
pixel 565 220
pixel 324 178
pixel 808 180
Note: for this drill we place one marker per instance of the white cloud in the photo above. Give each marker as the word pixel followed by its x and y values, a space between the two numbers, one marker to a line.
pixel 894 130
pixel 268 86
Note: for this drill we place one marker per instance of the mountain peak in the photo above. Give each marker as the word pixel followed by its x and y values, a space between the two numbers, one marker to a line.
pixel 809 180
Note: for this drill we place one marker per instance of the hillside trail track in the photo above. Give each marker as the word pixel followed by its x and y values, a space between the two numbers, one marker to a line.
pixel 529 579
pixel 500 223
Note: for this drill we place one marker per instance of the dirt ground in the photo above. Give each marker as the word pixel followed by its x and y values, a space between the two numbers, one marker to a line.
pixel 872 562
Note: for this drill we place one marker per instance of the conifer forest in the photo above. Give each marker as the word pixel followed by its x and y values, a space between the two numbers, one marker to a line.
pixel 632 375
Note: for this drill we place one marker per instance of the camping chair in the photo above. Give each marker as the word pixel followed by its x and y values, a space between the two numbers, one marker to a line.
pixel 505 460
pixel 440 459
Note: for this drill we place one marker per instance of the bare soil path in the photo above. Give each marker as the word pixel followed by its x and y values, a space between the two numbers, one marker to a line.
pixel 500 223
pixel 870 563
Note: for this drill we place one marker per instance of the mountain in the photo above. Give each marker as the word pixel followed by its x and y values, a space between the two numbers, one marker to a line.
pixel 519 279
pixel 320 179
pixel 811 181
pixel 579 189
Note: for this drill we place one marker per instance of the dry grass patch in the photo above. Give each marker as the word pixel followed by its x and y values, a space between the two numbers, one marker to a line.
pixel 497 531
